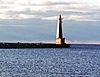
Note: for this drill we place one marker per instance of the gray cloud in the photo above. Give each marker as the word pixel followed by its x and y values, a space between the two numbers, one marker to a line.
pixel 70 10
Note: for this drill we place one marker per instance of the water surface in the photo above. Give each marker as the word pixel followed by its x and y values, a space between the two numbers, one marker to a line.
pixel 77 61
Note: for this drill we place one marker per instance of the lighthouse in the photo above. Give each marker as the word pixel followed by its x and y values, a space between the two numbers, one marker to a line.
pixel 59 36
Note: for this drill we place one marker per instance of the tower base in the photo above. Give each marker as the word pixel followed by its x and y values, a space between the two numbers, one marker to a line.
pixel 60 41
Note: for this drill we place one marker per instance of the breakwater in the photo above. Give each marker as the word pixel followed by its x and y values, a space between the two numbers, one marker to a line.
pixel 33 45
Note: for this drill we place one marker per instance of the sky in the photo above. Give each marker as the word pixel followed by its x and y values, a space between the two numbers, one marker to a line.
pixel 36 20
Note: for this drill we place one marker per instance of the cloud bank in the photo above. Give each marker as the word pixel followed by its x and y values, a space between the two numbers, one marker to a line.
pixel 48 10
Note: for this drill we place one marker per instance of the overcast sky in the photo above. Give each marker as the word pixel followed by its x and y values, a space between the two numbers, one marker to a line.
pixel 37 19
pixel 79 10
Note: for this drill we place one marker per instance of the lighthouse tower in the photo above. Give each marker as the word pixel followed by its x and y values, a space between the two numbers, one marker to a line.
pixel 59 36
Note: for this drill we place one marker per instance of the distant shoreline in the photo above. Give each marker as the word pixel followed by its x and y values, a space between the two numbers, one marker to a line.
pixel 52 42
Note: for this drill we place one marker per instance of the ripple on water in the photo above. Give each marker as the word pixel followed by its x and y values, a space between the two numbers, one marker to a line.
pixel 54 62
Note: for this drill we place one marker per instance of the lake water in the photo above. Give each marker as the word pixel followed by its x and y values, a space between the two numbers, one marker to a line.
pixel 77 61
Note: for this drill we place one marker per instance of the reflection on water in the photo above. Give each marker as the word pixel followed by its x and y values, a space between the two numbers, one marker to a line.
pixel 76 61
